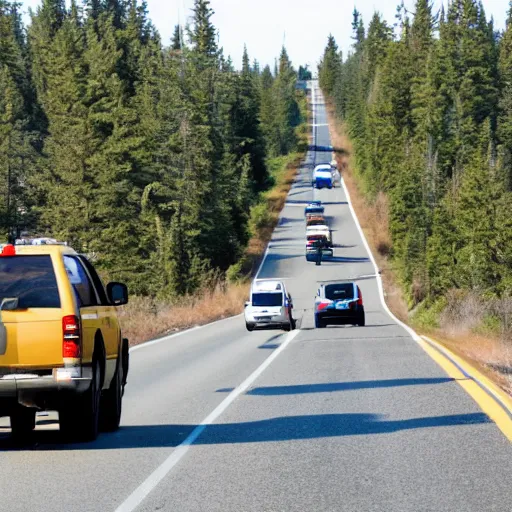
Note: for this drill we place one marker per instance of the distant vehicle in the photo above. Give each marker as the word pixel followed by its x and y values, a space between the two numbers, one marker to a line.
pixel 269 306
pixel 314 207
pixel 322 176
pixel 315 220
pixel 322 229
pixel 313 241
pixel 60 341
pixel 337 303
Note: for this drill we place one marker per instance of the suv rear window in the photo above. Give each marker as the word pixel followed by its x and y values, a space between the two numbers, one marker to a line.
pixel 31 280
pixel 267 299
pixel 342 291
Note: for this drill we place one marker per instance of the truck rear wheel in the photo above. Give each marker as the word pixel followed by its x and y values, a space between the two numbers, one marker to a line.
pixel 23 421
pixel 80 419
pixel 111 401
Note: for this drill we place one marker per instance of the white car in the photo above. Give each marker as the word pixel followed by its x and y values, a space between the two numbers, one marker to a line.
pixel 269 307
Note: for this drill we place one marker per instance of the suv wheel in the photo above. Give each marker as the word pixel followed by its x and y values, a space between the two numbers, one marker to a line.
pixel 23 421
pixel 111 401
pixel 80 419
pixel 319 323
pixel 249 327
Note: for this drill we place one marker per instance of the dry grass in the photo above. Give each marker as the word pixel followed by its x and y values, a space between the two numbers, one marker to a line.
pixel 144 318
pixel 490 355
pixel 481 331
pixel 373 217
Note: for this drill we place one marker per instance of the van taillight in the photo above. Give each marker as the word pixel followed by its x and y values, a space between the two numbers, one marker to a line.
pixel 71 336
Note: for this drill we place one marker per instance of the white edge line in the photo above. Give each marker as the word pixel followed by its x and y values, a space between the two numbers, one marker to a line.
pixel 263 260
pixel 181 333
pixel 415 336
pixel 411 331
pixel 137 496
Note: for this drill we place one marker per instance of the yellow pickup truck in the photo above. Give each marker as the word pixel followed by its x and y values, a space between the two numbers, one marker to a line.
pixel 61 346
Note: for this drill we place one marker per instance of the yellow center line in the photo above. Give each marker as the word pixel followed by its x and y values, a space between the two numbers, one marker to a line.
pixel 490 398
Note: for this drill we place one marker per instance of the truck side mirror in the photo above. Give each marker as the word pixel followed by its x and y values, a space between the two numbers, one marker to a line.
pixel 117 294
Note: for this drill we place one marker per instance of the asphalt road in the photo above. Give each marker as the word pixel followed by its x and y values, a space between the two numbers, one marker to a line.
pixel 343 419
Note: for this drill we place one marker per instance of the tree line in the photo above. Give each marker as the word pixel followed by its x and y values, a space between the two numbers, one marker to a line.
pixel 146 157
pixel 428 104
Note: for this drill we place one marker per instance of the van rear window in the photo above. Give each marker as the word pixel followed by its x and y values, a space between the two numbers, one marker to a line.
pixel 31 280
pixel 267 299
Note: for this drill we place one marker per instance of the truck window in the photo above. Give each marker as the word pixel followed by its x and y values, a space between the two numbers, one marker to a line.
pixel 31 280
pixel 98 284
pixel 78 278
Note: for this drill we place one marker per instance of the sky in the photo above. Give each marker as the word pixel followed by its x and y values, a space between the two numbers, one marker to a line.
pixel 302 25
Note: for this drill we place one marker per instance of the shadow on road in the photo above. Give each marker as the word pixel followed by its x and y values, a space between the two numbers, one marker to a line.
pixel 330 149
pixel 288 220
pixel 330 387
pixel 342 259
pixel 289 428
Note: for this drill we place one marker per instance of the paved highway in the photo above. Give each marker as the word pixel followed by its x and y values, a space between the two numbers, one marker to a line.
pixel 337 419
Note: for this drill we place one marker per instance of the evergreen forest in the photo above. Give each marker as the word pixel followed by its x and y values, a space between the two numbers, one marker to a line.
pixel 145 156
pixel 428 106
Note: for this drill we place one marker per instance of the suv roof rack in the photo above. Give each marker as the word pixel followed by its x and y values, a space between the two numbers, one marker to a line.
pixel 39 241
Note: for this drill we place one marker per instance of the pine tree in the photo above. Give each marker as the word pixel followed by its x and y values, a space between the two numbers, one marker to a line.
pixel 45 24
pixel 330 67
pixel 505 110
pixel 287 111
pixel 176 39
pixel 248 128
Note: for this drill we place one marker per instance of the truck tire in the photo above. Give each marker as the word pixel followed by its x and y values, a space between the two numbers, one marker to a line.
pixel 111 401
pixel 79 420
pixel 23 422
pixel 126 361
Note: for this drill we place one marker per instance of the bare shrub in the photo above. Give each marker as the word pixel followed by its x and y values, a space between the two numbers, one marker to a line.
pixel 502 309
pixel 463 313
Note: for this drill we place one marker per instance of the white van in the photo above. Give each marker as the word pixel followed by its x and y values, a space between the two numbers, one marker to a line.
pixel 269 306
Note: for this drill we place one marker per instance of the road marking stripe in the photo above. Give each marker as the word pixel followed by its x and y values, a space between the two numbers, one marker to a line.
pixel 181 333
pixel 476 387
pixel 137 496
pixel 490 387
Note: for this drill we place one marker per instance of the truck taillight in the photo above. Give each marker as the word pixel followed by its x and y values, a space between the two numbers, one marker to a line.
pixel 8 250
pixel 71 337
